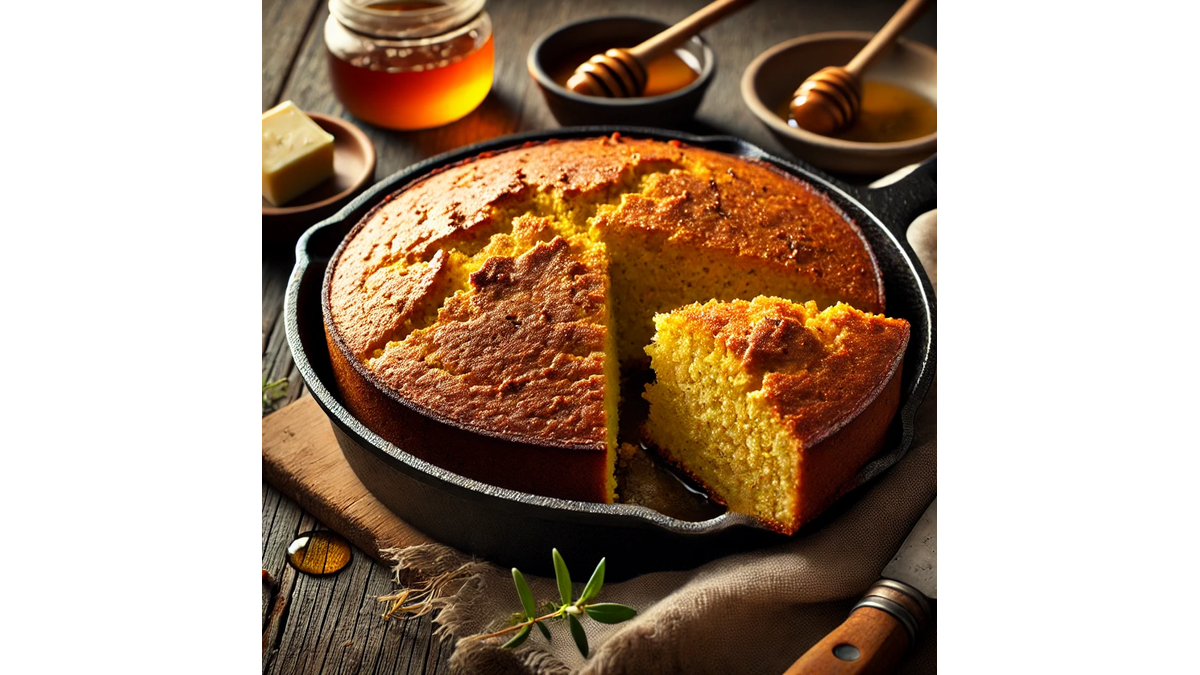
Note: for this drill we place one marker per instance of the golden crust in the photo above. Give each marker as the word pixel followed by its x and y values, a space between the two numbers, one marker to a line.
pixel 746 213
pixel 522 353
pixel 387 301
pixel 815 376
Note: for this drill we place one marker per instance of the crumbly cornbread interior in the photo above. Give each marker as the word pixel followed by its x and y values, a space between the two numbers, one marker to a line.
pixel 648 274
pixel 712 414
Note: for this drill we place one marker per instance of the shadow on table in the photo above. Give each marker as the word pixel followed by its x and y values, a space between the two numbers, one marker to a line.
pixel 496 116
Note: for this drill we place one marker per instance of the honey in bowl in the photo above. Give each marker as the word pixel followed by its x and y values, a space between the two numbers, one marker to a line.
pixel 889 114
pixel 669 72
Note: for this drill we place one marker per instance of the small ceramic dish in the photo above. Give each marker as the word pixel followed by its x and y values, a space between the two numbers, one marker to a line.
pixel 353 171
pixel 772 78
pixel 572 44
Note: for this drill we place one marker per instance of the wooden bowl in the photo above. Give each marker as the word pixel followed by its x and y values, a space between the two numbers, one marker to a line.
pixel 574 43
pixel 772 78
pixel 353 171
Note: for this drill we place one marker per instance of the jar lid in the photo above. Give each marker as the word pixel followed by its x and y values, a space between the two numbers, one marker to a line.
pixel 404 18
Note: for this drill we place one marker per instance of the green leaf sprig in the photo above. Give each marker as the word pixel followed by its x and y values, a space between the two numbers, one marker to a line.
pixel 271 392
pixel 569 610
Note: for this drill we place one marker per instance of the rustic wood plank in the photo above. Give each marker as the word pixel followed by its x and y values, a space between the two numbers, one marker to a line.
pixel 269 509
pixel 285 23
pixel 371 645
pixel 331 624
pixel 281 607
pixel 277 265
pixel 277 356
pixel 334 624
pixel 281 524
pixel 345 598
pixel 349 637
pixel 302 459
pixel 395 645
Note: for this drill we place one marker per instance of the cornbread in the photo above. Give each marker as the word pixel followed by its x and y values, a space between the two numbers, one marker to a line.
pixel 479 317
pixel 771 405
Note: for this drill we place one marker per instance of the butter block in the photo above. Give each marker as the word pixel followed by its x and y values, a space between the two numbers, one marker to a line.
pixel 297 154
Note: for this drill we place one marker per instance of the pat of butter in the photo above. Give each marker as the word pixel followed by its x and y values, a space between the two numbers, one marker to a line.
pixel 297 154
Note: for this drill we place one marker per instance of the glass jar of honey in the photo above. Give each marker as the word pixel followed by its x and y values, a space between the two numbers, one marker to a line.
pixel 409 65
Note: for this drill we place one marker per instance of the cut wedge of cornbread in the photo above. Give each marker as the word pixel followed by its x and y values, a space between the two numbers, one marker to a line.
pixel 771 405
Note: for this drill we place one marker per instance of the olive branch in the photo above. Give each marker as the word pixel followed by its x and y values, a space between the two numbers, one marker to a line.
pixel 570 611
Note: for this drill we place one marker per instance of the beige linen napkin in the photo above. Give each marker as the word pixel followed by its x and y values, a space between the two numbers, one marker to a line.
pixel 754 612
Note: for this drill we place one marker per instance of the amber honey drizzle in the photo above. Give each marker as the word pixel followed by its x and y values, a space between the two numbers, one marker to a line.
pixel 319 552
pixel 889 114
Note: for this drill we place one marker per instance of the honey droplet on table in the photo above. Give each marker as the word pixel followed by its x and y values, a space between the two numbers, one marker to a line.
pixel 319 552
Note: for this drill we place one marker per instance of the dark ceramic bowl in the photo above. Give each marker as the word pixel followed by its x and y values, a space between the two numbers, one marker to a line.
pixel 572 44
pixel 515 529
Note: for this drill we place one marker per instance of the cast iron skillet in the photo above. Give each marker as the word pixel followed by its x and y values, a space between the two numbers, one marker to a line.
pixel 517 529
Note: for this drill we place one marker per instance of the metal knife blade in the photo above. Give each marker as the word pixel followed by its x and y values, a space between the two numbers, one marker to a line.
pixel 916 562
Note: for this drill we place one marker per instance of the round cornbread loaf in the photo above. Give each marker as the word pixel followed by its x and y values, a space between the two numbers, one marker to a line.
pixel 478 317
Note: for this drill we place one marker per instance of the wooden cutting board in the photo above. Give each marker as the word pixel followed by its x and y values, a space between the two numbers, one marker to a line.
pixel 301 459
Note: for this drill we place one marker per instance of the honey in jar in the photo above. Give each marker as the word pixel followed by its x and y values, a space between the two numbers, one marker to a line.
pixel 409 65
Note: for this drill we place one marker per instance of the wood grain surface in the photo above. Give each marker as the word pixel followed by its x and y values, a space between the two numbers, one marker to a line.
pixel 301 459
pixel 332 624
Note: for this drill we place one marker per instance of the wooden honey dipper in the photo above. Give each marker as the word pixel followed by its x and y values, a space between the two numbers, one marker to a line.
pixel 621 73
pixel 830 99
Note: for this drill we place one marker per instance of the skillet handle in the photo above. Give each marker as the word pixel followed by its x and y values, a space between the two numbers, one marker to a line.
pixel 896 205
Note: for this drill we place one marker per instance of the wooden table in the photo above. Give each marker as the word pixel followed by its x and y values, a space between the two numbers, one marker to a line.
pixel 332 624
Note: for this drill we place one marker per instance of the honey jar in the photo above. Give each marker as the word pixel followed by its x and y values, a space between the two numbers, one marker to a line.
pixel 409 65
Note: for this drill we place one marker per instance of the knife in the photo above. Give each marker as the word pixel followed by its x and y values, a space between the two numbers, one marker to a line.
pixel 887 620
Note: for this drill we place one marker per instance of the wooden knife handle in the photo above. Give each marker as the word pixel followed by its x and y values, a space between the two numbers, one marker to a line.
pixel 869 641
pixel 872 639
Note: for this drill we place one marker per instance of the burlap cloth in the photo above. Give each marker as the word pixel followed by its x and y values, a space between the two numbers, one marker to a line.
pixel 755 612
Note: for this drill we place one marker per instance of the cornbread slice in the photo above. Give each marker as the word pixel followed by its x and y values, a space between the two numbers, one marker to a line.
pixel 771 405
